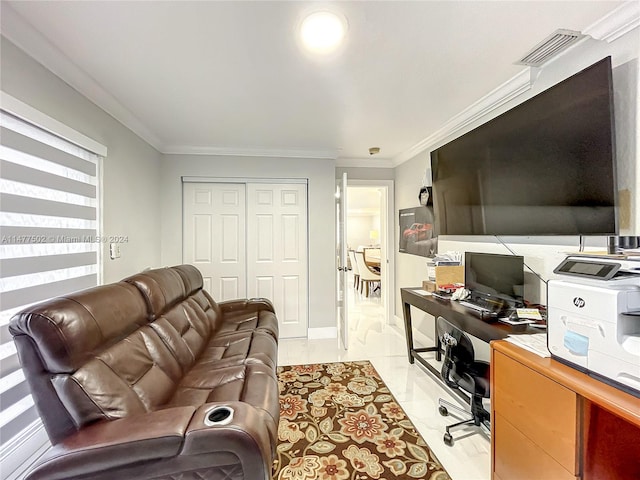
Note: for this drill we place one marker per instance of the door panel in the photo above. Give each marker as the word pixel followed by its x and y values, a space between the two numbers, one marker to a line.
pixel 277 251
pixel 341 261
pixel 215 236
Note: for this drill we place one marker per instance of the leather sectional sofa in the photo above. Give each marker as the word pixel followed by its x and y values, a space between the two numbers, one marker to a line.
pixel 150 378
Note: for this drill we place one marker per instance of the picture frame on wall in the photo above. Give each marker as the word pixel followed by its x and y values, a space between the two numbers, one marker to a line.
pixel 417 231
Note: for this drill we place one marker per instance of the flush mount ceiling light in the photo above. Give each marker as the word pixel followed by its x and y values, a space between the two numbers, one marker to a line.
pixel 322 32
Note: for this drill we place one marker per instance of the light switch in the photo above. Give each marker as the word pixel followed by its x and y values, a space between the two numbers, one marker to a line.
pixel 114 251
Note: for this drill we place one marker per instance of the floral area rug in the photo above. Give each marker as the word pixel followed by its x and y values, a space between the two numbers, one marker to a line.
pixel 338 421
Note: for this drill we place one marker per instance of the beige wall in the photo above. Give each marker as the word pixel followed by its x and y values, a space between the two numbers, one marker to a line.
pixel 131 171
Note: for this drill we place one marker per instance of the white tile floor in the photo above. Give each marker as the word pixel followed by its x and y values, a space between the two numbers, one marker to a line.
pixel 415 389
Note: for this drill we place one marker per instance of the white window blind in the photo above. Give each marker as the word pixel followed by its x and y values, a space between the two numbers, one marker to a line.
pixel 49 246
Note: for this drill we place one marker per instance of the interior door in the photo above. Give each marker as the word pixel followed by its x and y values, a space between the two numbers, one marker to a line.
pixel 277 252
pixel 214 236
pixel 341 262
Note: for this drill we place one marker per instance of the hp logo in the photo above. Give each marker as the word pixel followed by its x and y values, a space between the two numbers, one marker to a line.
pixel 578 302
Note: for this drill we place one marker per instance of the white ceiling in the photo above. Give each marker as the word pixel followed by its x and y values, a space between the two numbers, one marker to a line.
pixel 229 77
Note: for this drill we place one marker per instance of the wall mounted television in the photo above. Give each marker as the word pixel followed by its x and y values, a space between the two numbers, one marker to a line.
pixel 545 167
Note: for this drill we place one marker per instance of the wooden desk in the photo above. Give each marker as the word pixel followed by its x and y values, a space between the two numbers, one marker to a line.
pixel 551 421
pixel 461 317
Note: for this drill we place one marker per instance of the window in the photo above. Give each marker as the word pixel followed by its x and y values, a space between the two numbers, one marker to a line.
pixel 49 246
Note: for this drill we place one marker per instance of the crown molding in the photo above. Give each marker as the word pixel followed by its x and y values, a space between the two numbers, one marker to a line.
pixel 32 42
pixel 327 154
pixel 513 87
pixel 616 23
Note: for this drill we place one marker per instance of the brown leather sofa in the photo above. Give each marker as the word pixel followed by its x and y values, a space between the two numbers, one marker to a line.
pixel 150 378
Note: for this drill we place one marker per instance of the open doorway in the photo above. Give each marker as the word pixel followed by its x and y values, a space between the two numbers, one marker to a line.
pixel 368 228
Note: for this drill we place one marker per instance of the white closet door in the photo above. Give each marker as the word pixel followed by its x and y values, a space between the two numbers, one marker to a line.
pixel 214 236
pixel 277 252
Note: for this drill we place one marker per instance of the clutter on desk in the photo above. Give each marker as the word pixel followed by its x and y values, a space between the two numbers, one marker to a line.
pixel 446 259
pixel 528 314
pixel 422 292
pixel 524 316
pixel 535 343
pixel 514 320
pixel 429 285
pixel 461 294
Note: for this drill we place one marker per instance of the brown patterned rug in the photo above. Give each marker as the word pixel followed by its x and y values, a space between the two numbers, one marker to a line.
pixel 339 421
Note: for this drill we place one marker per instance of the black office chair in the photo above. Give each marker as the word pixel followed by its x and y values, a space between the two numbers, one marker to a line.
pixel 460 370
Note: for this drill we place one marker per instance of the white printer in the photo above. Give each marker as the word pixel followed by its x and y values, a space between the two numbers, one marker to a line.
pixel 593 318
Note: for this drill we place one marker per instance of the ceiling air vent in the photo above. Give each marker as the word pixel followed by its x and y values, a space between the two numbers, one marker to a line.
pixel 551 46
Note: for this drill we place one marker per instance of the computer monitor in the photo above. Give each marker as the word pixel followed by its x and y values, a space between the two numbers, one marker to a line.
pixel 494 277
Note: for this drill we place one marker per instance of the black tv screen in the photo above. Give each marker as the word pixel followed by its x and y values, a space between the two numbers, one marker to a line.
pixel 495 277
pixel 545 167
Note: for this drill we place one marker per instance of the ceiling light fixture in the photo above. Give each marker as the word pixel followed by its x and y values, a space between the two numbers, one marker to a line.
pixel 322 32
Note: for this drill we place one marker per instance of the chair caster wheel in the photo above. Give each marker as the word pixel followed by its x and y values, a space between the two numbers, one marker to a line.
pixel 443 410
pixel 448 440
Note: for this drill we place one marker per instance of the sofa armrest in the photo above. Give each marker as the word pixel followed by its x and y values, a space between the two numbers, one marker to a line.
pixel 246 305
pixel 112 444
pixel 247 436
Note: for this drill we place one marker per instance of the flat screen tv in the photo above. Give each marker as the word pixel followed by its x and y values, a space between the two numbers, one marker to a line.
pixel 545 167
pixel 497 279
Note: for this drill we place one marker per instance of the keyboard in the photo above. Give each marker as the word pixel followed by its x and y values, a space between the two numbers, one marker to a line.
pixel 475 307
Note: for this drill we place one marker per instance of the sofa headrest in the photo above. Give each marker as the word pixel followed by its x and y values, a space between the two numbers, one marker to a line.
pixel 72 329
pixel 191 277
pixel 162 288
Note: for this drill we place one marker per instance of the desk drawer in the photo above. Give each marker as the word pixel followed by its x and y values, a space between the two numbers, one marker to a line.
pixel 518 458
pixel 542 410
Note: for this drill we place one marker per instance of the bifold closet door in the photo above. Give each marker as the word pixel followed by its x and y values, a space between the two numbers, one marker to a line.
pixel 214 236
pixel 250 240
pixel 277 252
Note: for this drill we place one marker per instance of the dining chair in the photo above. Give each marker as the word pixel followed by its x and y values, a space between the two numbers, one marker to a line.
pixel 355 270
pixel 366 274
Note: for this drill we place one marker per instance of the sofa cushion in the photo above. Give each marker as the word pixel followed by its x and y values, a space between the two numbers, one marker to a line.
pixel 136 375
pixel 191 278
pixel 188 343
pixel 162 288
pixel 72 329
pixel 253 316
pixel 254 384
pixel 230 316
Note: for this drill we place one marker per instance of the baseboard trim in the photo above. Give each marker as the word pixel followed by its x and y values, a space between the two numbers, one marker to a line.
pixel 320 333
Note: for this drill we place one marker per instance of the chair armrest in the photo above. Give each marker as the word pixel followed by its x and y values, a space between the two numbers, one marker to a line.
pixel 250 436
pixel 111 444
pixel 246 305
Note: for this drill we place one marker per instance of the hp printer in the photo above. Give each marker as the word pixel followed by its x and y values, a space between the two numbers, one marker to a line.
pixel 593 319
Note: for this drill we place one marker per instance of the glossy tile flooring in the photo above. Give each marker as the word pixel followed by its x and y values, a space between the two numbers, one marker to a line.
pixel 416 390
